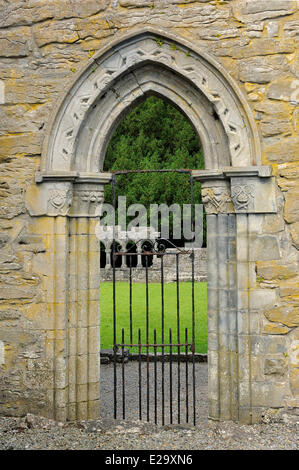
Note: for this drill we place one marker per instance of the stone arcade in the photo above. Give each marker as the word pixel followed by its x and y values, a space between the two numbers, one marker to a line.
pixel 231 67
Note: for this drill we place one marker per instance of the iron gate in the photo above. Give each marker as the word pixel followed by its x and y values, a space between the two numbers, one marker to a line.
pixel 166 380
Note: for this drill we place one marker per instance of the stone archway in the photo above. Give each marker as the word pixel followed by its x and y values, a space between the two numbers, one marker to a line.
pixel 149 62
pixel 70 187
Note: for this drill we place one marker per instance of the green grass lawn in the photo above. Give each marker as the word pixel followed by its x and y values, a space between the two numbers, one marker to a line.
pixel 155 317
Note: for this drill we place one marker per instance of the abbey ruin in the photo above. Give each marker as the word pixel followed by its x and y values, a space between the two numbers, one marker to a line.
pixel 69 71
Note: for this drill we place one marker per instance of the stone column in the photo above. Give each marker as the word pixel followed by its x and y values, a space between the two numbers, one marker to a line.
pixel 67 213
pixel 49 205
pixel 252 197
pixel 221 298
pixel 108 255
pixel 83 321
pixel 139 256
pixel 235 200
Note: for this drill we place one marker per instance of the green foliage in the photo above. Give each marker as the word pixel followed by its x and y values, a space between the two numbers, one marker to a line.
pixel 155 135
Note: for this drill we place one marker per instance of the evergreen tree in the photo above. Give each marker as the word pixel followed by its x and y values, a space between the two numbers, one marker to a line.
pixel 154 135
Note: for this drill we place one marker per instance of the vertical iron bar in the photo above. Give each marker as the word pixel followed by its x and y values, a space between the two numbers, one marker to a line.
pixel 178 336
pixel 123 372
pixel 162 365
pixel 187 384
pixel 147 339
pixel 155 373
pixel 139 367
pixel 193 305
pixel 170 375
pixel 193 343
pixel 114 300
pixel 131 315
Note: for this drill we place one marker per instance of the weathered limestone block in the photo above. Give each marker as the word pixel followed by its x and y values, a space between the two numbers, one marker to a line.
pixel 225 48
pixel 284 150
pixel 35 11
pixel 4 237
pixel 291 208
pixel 295 234
pixel 271 270
pixel 265 345
pixel 294 365
pixel 264 247
pixel 47 84
pixel 14 43
pixel 295 64
pixel 267 395
pixel 296 120
pixel 87 29
pixel 10 315
pixel 257 10
pixel 165 16
pixel 254 30
pixel 156 3
pixel 273 109
pixel 215 32
pixel 263 69
pixel 276 127
pixel 275 366
pixel 263 47
pixel 291 28
pixel 290 289
pixel 30 243
pixel 58 32
pixel 77 8
pixel 284 90
pixel 271 328
pixel 289 171
pixel 294 383
pixel 135 3
pixel 273 223
pixel 286 315
pixel 14 175
pixel 273 29
pixel 20 143
pixel 8 261
pixel 16 293
pixel 23 118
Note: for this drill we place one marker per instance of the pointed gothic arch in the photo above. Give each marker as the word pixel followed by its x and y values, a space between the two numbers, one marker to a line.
pixel 149 62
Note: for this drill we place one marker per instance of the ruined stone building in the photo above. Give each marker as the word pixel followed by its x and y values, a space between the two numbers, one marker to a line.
pixel 69 70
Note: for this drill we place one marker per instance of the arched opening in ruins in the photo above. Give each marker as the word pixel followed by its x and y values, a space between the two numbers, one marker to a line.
pixel 235 191
pixel 141 290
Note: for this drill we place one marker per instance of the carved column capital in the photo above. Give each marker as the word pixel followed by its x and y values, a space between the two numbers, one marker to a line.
pixel 253 195
pixel 72 194
pixel 87 198
pixel 239 190
pixel 59 201
pixel 243 197
pixel 51 198
pixel 216 197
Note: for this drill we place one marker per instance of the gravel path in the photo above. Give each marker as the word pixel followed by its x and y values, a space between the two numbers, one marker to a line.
pixel 131 376
pixel 279 430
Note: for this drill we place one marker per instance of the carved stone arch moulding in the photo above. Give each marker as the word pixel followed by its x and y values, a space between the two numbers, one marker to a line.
pixel 110 67
pixel 149 79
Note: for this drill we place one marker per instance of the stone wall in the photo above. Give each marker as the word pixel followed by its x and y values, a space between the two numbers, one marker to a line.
pixel 169 268
pixel 43 45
